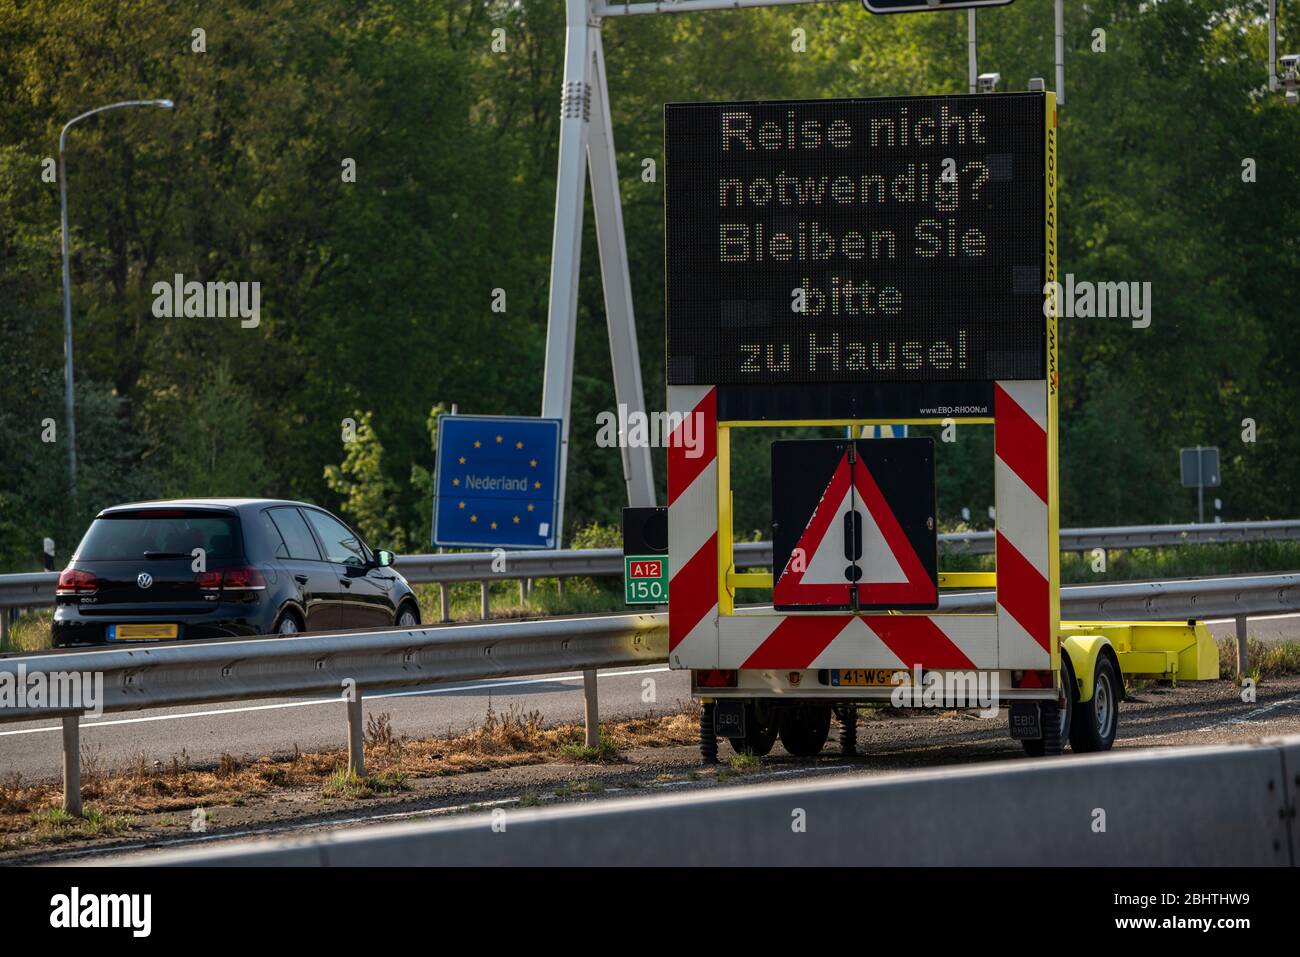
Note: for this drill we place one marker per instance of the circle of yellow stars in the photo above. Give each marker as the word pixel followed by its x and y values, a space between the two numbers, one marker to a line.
pixel 532 463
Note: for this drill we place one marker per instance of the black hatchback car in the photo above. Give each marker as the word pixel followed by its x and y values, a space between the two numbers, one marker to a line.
pixel 221 568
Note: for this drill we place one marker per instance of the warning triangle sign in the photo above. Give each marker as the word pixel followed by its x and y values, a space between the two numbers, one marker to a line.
pixel 853 541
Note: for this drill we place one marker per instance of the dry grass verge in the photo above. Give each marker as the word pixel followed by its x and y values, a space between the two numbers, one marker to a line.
pixel 30 812
pixel 1264 659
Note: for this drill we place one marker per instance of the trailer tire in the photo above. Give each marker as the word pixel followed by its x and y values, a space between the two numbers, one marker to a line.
pixel 804 729
pixel 1037 748
pixel 1071 688
pixel 1096 721
pixel 762 720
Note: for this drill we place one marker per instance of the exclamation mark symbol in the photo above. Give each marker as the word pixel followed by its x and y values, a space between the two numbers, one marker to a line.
pixel 852 545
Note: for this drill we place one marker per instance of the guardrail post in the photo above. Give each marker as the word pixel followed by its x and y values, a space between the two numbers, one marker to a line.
pixel 523 591
pixel 4 626
pixel 1243 660
pixel 484 593
pixel 356 736
pixel 591 707
pixel 71 763
pixel 559 587
pixel 444 600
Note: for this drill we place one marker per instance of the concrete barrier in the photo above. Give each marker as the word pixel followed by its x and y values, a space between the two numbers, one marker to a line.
pixel 1201 806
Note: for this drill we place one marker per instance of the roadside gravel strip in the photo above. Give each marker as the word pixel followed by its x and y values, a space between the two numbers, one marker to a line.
pixel 1208 713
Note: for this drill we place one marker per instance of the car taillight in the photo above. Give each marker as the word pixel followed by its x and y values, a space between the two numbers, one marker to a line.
pixel 242 578
pixel 75 581
pixel 210 581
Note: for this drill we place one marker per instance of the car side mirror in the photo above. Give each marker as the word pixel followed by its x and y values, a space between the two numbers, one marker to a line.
pixel 383 558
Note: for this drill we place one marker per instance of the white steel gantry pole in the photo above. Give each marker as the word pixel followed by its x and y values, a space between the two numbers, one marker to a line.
pixel 1272 46
pixel 625 357
pixel 586 136
pixel 972 75
pixel 566 245
pixel 1060 53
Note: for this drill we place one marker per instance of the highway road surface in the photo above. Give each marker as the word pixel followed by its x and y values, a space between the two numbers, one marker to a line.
pixel 276 727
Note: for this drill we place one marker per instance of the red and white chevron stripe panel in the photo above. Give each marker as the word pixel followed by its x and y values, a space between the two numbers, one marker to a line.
pixel 797 641
pixel 693 528
pixel 1021 492
pixel 1018 636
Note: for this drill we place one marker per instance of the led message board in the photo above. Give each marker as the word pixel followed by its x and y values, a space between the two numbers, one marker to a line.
pixel 864 240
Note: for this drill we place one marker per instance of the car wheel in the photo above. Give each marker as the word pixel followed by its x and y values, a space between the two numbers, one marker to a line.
pixel 287 624
pixel 407 617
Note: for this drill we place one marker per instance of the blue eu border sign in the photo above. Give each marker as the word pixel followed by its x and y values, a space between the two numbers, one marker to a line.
pixel 498 481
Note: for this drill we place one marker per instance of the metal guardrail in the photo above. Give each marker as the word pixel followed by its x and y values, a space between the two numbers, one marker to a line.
pixel 151 676
pixel 562 563
pixel 1233 597
pixel 37 588
pixel 28 589
pixel 148 676
pixel 201 672
pixel 1139 536
pixel 1223 805
pixel 141 676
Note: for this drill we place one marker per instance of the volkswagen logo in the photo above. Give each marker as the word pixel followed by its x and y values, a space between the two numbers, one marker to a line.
pixel 144 579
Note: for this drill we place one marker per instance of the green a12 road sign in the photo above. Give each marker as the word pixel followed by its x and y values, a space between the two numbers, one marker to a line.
pixel 645 579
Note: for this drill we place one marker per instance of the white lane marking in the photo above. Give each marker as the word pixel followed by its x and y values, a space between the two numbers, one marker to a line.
pixel 486 686
pixel 1250 715
pixel 1229 621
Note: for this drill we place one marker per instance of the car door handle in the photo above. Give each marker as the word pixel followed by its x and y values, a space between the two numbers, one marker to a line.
pixel 301 579
pixel 345 583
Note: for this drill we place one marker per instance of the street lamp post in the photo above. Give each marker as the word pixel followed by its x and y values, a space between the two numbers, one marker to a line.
pixel 67 278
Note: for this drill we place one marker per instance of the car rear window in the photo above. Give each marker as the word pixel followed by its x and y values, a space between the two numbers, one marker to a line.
pixel 160 533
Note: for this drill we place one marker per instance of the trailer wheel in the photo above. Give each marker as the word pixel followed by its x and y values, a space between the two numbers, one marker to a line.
pixel 1096 721
pixel 804 729
pixel 1036 748
pixel 761 722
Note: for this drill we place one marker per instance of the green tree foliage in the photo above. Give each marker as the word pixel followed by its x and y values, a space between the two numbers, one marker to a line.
pixel 212 446
pixel 376 294
pixel 365 492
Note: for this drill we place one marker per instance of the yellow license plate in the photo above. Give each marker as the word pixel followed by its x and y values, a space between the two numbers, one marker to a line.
pixel 144 632
pixel 868 677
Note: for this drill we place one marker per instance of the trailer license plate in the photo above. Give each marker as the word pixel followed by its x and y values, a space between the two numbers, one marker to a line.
pixel 141 632
pixel 729 719
pixel 1025 725
pixel 868 677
